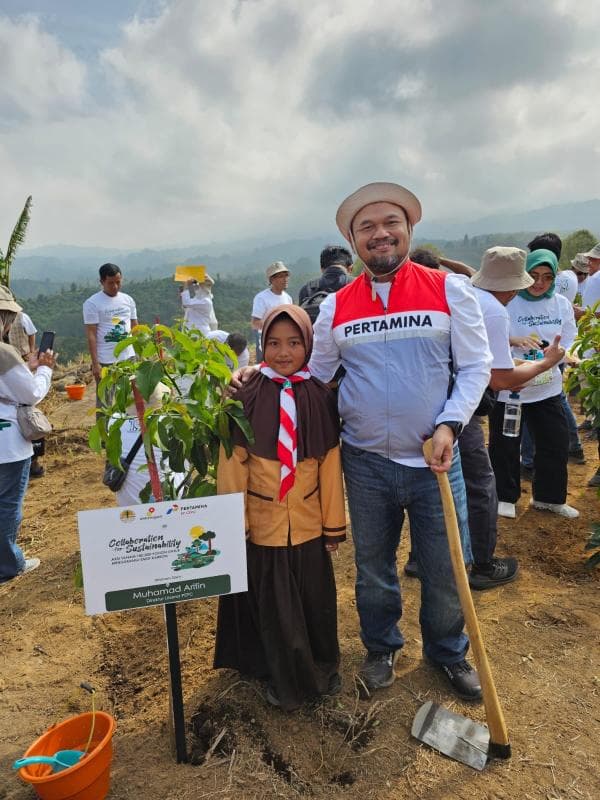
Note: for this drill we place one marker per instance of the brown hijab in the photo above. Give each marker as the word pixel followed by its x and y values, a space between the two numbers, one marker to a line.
pixel 318 419
pixel 298 316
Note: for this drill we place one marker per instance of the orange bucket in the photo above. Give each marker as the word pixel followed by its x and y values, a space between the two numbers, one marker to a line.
pixel 89 778
pixel 75 391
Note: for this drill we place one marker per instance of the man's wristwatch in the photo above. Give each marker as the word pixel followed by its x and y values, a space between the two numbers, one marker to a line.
pixel 455 427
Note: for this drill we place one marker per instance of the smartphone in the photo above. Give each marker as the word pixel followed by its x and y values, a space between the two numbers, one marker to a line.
pixel 47 342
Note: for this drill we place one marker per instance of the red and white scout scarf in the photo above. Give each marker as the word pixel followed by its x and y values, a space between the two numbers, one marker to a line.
pixel 287 443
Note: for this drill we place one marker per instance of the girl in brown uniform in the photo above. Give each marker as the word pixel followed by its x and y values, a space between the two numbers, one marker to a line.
pixel 284 628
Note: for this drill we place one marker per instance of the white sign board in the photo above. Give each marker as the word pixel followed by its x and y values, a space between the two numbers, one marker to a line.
pixel 147 555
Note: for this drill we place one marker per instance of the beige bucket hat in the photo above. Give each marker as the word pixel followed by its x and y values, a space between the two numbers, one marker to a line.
pixel 502 270
pixel 7 300
pixel 275 268
pixel 378 192
pixel 580 263
pixel 593 253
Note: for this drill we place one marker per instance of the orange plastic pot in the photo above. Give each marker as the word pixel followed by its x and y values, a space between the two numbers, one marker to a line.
pixel 89 778
pixel 75 391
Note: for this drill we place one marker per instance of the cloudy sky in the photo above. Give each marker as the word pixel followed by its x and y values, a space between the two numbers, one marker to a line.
pixel 156 123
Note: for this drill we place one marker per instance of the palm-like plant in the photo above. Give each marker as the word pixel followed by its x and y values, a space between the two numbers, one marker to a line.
pixel 17 238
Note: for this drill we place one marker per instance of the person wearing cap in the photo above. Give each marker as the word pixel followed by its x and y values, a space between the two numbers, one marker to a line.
pixel 197 302
pixel 591 292
pixel 501 276
pixel 536 314
pixel 413 344
pixel 278 277
pixel 20 384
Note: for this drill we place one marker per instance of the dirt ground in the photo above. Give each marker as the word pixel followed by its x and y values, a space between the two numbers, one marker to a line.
pixel 542 635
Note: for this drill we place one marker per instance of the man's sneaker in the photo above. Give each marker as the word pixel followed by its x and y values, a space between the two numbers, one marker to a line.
pixel 506 509
pixel 497 572
pixel 411 568
pixel 577 456
pixel 595 479
pixel 556 508
pixel 463 679
pixel 377 670
pixel 30 565
pixel 526 472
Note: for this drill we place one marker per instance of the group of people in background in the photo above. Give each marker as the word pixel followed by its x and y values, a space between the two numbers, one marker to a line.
pixel 416 347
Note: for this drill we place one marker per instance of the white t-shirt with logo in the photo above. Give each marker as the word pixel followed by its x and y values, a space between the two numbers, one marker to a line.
pixel 266 300
pixel 567 284
pixel 113 317
pixel 549 317
pixel 590 294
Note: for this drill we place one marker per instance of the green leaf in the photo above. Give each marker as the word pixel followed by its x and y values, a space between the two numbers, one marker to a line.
pixel 147 376
pixel 198 458
pixel 95 440
pixel 244 426
pixel 176 455
pixel 221 371
pixel 113 442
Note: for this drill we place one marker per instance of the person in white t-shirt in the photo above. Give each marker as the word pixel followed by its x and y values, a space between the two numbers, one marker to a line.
pixel 237 342
pixel 197 302
pixel 109 315
pixel 538 313
pixel 591 292
pixel 278 276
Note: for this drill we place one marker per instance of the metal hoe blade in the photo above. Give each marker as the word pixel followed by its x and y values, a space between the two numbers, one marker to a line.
pixel 455 736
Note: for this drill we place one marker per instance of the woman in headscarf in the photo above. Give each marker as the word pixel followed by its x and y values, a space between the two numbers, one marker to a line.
pixel 20 384
pixel 284 629
pixel 538 314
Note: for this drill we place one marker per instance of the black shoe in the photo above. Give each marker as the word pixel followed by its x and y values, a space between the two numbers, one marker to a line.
pixel 377 670
pixel 272 697
pixel 497 572
pixel 577 456
pixel 463 679
pixel 334 686
pixel 595 479
pixel 526 473
pixel 411 568
pixel 36 470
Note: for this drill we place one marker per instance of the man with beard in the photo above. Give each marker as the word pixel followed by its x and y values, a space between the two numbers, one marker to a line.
pixel 414 347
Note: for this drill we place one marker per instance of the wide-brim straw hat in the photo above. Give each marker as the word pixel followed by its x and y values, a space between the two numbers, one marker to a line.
pixel 378 192
pixel 593 253
pixel 7 300
pixel 503 270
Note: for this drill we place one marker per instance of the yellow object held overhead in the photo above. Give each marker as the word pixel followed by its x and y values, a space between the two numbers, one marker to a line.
pixel 188 272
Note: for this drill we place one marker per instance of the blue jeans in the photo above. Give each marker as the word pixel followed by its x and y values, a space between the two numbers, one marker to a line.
pixel 14 478
pixel 527 445
pixel 379 492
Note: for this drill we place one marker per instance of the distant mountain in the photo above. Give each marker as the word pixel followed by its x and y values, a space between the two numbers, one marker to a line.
pixel 62 265
pixel 563 219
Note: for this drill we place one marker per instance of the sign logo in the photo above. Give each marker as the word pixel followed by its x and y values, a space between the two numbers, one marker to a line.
pixel 127 515
pixel 200 553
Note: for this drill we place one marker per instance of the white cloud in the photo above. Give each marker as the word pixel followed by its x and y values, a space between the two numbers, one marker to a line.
pixel 219 120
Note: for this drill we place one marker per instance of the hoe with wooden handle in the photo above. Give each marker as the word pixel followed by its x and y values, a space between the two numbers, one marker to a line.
pixel 451 734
